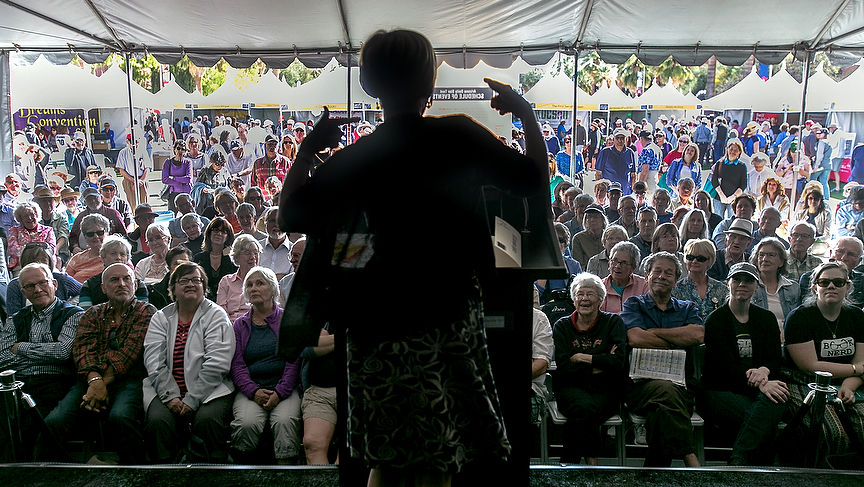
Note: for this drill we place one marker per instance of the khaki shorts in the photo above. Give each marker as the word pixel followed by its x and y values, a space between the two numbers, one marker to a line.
pixel 320 402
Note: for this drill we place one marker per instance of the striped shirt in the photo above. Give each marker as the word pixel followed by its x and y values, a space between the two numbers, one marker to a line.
pixel 179 351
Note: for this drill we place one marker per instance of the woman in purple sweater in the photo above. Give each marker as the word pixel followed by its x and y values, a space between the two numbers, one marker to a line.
pixel 266 383
pixel 177 174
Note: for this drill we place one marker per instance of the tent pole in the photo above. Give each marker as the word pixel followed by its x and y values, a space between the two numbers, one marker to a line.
pixel 575 114
pixel 806 81
pixel 348 130
pixel 132 121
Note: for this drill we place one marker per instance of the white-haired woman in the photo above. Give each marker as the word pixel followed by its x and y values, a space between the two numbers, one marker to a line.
pixel 154 268
pixel 693 226
pixel 268 385
pixel 590 353
pixel 245 252
pixel 28 215
pixel 599 264
pixel 708 294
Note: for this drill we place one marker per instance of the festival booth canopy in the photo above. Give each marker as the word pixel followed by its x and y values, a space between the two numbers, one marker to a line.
pixel 269 92
pixel 852 98
pixel 330 89
pixel 173 96
pixel 463 32
pixel 741 95
pixel 556 93
pixel 665 97
pixel 823 93
pixel 614 97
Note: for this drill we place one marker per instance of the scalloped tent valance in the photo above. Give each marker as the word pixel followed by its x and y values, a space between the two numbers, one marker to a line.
pixel 463 32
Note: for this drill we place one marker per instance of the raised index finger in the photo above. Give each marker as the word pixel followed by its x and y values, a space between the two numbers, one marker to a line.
pixel 496 85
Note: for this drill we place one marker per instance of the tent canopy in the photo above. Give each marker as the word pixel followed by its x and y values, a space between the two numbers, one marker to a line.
pixel 462 32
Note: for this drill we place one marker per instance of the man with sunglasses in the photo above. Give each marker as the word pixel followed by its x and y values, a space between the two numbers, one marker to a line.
pixel 617 163
pixel 77 159
pixel 107 352
pixel 847 250
pixel 108 190
pixel 36 343
pixel 271 164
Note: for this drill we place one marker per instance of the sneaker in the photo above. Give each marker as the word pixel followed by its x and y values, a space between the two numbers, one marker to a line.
pixel 640 438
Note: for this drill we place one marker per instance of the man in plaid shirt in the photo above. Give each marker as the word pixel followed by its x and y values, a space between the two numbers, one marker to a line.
pixel 271 164
pixel 108 353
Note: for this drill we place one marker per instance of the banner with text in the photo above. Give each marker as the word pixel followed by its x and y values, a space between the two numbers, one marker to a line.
pixel 461 94
pixel 64 120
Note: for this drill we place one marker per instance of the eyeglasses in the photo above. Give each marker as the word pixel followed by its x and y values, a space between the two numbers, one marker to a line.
pixel 800 235
pixel 615 263
pixel 31 287
pixel 189 280
pixel 94 234
pixel 697 258
pixel 763 255
pixel 837 282
pixel 70 200
pixel 254 198
pixel 108 190
pixel 181 149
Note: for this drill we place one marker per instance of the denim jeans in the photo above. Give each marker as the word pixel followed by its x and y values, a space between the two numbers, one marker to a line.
pixel 822 177
pixel 721 208
pixel 755 419
pixel 125 416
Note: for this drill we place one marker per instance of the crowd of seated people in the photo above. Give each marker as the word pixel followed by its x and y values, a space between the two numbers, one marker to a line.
pixel 163 328
pixel 751 295
pixel 166 329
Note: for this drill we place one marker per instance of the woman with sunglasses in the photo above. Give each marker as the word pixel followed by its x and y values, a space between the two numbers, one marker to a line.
pixel 743 394
pixel 678 151
pixel 813 209
pixel 825 334
pixel 88 263
pixel 177 174
pixel 706 293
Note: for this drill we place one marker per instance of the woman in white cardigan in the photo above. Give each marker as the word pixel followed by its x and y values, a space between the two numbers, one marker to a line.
pixel 187 351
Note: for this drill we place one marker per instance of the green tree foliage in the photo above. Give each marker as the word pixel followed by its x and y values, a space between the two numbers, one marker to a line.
pixel 529 79
pixel 182 76
pixel 297 74
pixel 727 77
pixel 145 70
pixel 795 66
pixel 214 77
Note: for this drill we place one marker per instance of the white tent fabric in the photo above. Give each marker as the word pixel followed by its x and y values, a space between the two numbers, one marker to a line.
pixel 114 77
pixel 664 97
pixel 270 92
pixel 851 88
pixel 822 92
pixel 556 93
pixel 330 89
pixel 741 95
pixel 173 96
pixel 614 97
pixel 781 90
pixel 462 31
pixel 38 86
pixel 473 77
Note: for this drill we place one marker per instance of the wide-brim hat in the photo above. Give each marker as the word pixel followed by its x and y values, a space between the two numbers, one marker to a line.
pixel 741 227
pixel 69 193
pixel 42 192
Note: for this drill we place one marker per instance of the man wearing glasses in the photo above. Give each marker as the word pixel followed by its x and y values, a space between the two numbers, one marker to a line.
pixel 77 159
pixel 36 342
pixel 617 163
pixel 271 164
pixel 108 189
pixel 800 261
pixel 107 353
pixel 847 250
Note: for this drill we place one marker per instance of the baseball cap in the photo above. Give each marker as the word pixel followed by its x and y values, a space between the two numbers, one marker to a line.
pixel 620 131
pixel 595 208
pixel 105 182
pixel 79 136
pixel 90 192
pixel 236 144
pixel 271 138
pixel 615 186
pixel 744 268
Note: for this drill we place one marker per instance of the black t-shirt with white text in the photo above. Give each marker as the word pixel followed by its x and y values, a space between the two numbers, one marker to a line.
pixel 833 341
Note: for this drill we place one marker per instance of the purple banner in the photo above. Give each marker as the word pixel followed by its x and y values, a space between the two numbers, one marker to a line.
pixel 65 120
